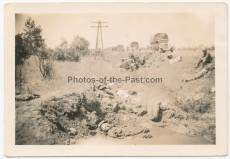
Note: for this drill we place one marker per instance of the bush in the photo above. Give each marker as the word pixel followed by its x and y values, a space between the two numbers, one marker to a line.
pixel 45 62
pixel 191 105
pixel 72 52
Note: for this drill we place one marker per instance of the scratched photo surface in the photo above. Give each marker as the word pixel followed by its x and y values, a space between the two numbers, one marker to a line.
pixel 115 79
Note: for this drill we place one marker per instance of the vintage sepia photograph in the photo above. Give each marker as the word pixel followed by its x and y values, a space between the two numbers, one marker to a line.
pixel 116 79
pixel 133 79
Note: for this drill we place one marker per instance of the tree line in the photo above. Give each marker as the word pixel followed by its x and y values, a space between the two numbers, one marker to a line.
pixel 31 43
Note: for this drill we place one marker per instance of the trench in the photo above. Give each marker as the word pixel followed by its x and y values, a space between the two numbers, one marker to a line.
pixel 88 132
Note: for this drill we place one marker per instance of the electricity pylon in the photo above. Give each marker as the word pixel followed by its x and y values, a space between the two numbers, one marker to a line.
pixel 99 29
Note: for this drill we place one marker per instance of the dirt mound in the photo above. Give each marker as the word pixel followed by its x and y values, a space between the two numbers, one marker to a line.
pixel 85 111
pixel 73 111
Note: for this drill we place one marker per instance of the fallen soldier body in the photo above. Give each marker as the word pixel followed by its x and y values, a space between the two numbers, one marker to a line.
pixel 116 132
pixel 206 58
pixel 202 73
pixel 122 132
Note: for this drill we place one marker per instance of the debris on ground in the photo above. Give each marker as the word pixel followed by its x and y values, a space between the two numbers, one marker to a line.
pixel 26 97
pixel 105 111
pixel 175 60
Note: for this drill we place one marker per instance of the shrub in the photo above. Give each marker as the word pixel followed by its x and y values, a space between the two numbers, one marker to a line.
pixel 191 105
pixel 72 52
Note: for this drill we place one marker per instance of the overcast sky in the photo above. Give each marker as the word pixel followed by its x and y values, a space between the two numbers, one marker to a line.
pixel 183 29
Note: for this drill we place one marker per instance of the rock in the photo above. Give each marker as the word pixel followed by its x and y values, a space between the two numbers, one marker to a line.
pixel 130 110
pixel 132 92
pixel 67 142
pixel 180 116
pixel 119 100
pixel 39 117
pixel 164 106
pixel 105 95
pixel 142 112
pixel 123 93
pixel 145 130
pixel 110 84
pixel 24 97
pixel 115 107
pixel 155 112
pixel 146 125
pixel 72 141
pixel 72 132
pixel 108 91
pixel 130 137
pixel 104 126
pixel 147 136
pixel 89 102
pixel 175 60
pixel 99 93
pixel 115 132
pixel 99 85
pixel 213 89
pixel 102 87
pixel 134 66
pixel 106 101
pixel 122 107
pixel 170 56
pixel 92 133
pixel 126 64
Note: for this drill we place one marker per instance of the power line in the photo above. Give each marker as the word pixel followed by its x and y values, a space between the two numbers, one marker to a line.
pixel 99 30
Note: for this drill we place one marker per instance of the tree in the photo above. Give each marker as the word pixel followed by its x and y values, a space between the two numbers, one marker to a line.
pixel 79 45
pixel 20 51
pixel 35 45
pixel 32 37
pixel 61 51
